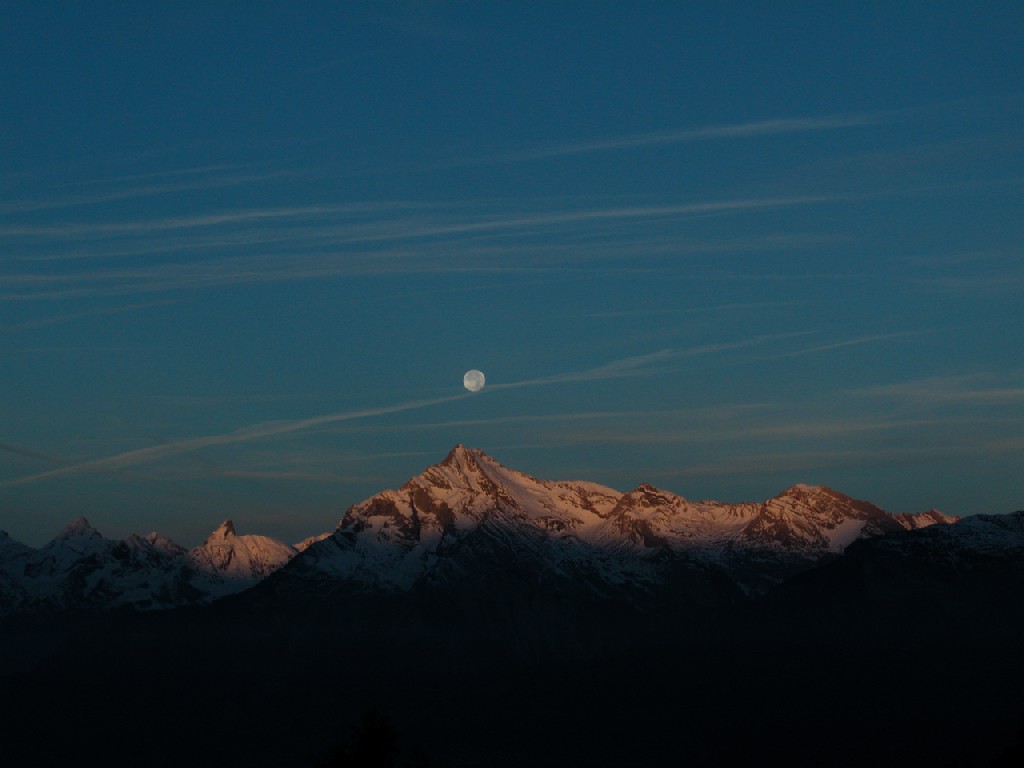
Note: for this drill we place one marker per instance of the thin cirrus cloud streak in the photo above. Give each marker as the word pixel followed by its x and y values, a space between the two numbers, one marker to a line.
pixel 475 250
pixel 643 365
pixel 847 343
pixel 58 319
pixel 271 268
pixel 749 130
pixel 638 365
pixel 573 217
pixel 197 170
pixel 404 230
pixel 700 432
pixel 711 413
pixel 129 193
pixel 967 389
pixel 240 216
pixel 803 461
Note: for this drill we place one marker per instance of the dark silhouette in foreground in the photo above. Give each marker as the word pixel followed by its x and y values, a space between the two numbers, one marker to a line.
pixel 1013 755
pixel 374 743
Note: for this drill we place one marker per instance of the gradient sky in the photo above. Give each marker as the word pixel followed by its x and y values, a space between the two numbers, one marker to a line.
pixel 247 251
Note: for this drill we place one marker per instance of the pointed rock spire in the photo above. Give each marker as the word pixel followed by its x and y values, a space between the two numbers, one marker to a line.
pixel 224 531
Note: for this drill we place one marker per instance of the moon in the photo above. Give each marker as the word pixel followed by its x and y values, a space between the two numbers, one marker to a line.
pixel 473 380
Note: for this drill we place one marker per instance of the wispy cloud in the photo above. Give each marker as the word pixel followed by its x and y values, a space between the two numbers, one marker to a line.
pixel 377 245
pixel 730 428
pixel 196 170
pixel 748 130
pixel 707 413
pixel 258 474
pixel 643 365
pixel 100 312
pixel 1008 282
pixel 948 390
pixel 847 343
pixel 755 306
pixel 99 197
pixel 358 210
pixel 603 214
pixel 805 461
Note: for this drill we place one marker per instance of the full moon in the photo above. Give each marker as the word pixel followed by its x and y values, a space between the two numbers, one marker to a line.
pixel 473 380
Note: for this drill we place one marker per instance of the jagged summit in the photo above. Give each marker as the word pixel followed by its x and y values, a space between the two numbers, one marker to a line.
pixel 79 570
pixel 804 490
pixel 925 519
pixel 459 454
pixel 462 465
pixel 230 559
pixel 78 528
pixel 648 495
pixel 461 459
pixel 223 531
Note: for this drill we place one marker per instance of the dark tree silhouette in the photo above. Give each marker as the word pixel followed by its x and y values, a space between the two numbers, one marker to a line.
pixel 374 744
pixel 1013 755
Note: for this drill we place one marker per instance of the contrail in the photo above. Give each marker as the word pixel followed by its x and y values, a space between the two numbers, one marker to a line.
pixel 625 367
pixel 266 429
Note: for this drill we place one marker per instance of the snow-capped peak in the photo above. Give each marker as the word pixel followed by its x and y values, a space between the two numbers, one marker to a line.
pixel 78 528
pixel 238 559
pixel 803 489
pixel 460 455
pixel 925 519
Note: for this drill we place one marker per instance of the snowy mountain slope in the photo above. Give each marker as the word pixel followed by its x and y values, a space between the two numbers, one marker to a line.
pixel 913 522
pixel 10 549
pixel 466 521
pixel 309 540
pixel 813 520
pixel 230 563
pixel 974 566
pixel 972 540
pixel 398 538
pixel 81 570
pixel 393 538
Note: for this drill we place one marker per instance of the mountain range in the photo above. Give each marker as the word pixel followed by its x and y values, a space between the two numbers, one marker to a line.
pixel 80 570
pixel 432 529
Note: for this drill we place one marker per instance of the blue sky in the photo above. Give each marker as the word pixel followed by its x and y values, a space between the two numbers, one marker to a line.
pixel 247 252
